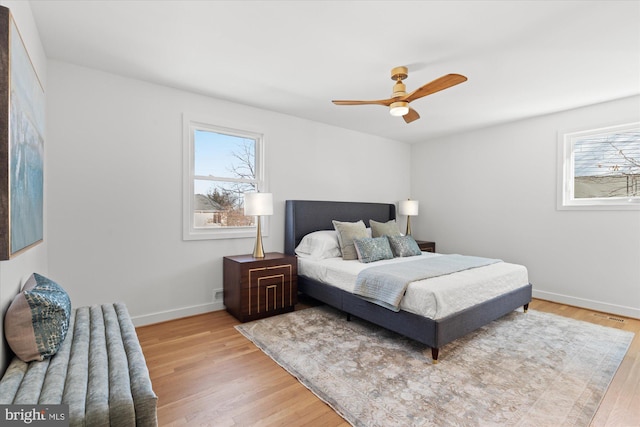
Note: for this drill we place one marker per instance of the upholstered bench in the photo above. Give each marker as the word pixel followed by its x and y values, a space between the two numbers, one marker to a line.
pixel 99 371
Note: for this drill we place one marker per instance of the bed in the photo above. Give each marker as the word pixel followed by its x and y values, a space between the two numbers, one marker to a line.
pixel 306 216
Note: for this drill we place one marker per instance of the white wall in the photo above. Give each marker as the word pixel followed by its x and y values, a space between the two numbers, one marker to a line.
pixel 492 193
pixel 15 272
pixel 114 171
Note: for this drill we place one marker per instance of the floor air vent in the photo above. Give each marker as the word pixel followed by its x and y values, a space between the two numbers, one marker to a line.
pixel 606 316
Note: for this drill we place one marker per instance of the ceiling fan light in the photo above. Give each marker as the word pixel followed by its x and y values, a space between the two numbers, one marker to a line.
pixel 399 108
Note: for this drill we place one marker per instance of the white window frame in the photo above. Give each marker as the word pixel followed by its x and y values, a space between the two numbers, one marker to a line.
pixel 566 199
pixel 191 123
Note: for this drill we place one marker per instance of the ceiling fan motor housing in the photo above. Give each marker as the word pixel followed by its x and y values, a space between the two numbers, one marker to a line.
pixel 399 89
pixel 399 108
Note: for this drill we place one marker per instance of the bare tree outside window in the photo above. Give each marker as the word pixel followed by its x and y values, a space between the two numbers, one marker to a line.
pixel 607 165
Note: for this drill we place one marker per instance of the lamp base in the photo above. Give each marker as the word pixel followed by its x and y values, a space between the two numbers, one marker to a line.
pixel 258 251
pixel 408 232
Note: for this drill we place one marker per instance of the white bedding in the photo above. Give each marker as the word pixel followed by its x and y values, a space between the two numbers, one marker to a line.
pixel 434 298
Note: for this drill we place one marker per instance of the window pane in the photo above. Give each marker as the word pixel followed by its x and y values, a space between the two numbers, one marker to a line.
pixel 607 165
pixel 220 204
pixel 224 156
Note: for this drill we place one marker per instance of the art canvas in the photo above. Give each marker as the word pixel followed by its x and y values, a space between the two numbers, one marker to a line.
pixel 21 144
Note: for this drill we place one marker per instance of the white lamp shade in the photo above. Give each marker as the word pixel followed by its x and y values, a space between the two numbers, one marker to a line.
pixel 408 207
pixel 258 204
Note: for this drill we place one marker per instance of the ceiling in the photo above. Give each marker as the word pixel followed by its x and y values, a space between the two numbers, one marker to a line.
pixel 522 58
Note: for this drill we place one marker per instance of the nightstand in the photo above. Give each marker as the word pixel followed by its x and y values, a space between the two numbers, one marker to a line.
pixel 260 287
pixel 426 246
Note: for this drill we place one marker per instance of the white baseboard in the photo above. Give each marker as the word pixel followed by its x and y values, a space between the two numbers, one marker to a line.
pixel 162 316
pixel 147 319
pixel 620 310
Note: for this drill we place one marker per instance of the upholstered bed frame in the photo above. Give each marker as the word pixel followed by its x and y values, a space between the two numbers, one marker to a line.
pixel 305 216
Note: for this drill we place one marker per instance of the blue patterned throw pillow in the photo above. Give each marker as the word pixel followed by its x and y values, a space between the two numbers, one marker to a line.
pixel 373 249
pixel 403 246
pixel 37 320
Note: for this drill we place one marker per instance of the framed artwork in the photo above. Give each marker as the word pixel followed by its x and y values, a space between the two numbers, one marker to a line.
pixel 22 111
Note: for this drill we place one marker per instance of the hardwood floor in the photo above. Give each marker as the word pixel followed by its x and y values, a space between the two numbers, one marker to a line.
pixel 207 373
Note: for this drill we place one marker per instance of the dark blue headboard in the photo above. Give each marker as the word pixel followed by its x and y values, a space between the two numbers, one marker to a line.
pixel 305 216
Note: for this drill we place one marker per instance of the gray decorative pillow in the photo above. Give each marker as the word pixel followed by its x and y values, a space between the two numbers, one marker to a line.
pixel 347 233
pixel 37 320
pixel 389 228
pixel 373 249
pixel 403 246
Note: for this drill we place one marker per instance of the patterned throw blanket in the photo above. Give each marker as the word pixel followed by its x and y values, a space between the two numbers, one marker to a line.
pixel 385 285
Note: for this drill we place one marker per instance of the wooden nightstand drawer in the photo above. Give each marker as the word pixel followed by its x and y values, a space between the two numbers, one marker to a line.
pixel 259 287
pixel 426 246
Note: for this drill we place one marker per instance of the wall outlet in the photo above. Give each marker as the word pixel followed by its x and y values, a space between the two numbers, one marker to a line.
pixel 218 294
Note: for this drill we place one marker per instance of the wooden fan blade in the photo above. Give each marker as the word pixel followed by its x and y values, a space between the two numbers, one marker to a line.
pixel 411 115
pixel 385 102
pixel 437 85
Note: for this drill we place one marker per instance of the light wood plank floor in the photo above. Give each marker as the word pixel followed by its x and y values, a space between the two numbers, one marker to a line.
pixel 207 373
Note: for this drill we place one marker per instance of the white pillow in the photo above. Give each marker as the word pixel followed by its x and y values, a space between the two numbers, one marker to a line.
pixel 319 245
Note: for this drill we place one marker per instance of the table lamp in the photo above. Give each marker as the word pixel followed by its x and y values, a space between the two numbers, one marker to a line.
pixel 258 204
pixel 409 208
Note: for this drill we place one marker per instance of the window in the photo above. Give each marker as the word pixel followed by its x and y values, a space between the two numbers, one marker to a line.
pixel 220 164
pixel 600 168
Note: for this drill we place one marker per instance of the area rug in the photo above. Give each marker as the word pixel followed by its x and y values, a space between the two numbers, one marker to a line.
pixel 525 369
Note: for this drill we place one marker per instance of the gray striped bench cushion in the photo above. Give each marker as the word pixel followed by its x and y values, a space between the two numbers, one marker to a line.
pixel 99 371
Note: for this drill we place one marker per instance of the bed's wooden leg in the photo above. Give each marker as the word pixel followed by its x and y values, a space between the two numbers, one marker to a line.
pixel 434 355
pixel 348 317
pixel 526 307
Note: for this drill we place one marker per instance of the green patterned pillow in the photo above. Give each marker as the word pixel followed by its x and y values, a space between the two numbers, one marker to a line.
pixel 373 249
pixel 389 228
pixel 37 320
pixel 403 246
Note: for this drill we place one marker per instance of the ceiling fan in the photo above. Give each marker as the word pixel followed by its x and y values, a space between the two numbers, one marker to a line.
pixel 399 102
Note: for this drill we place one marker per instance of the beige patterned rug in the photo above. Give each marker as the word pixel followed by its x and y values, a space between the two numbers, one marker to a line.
pixel 533 369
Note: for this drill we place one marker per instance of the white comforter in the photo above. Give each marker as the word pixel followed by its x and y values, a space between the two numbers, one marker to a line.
pixel 435 298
